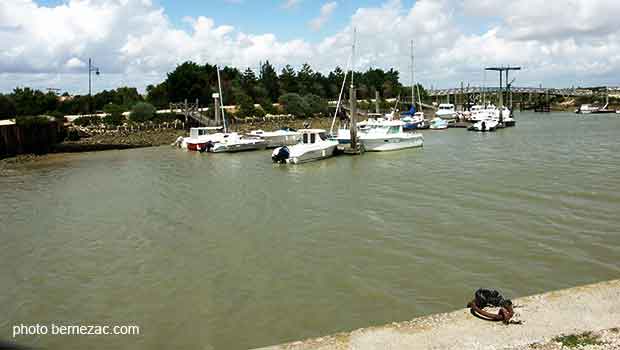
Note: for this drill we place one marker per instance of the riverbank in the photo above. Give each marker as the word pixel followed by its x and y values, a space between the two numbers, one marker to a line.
pixel 586 316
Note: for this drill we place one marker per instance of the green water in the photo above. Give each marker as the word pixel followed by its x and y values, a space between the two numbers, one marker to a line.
pixel 231 252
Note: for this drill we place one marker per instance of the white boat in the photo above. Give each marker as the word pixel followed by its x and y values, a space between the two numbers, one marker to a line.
pixel 278 138
pixel 587 109
pixel 233 142
pixel 446 111
pixel 485 125
pixel 479 113
pixel 438 124
pixel 314 145
pixel 199 138
pixel 382 135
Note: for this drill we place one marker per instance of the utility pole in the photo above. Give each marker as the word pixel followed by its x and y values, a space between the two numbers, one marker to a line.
pixel 91 69
pixel 216 98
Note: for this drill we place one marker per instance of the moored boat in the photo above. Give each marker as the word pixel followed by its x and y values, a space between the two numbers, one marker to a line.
pixel 382 135
pixel 438 124
pixel 446 111
pixel 233 142
pixel 484 125
pixel 199 138
pixel 314 145
pixel 278 138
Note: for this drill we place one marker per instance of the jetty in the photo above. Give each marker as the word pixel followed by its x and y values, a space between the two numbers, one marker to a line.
pixel 544 318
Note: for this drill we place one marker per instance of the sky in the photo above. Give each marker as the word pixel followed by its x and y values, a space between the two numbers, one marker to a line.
pixel 558 43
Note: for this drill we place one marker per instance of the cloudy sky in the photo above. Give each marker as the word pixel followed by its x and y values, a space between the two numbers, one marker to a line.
pixel 47 43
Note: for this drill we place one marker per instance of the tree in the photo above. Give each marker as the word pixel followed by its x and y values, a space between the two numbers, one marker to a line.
pixel 315 104
pixel 7 107
pixel 249 82
pixel 115 114
pixel 142 112
pixel 245 105
pixel 294 104
pixel 288 80
pixel 269 80
pixel 157 95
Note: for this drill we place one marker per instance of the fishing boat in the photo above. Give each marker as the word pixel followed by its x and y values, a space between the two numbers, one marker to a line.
pixel 233 142
pixel 314 145
pixel 199 138
pixel 438 124
pixel 383 135
pixel 278 138
pixel 484 125
pixel 587 109
pixel 446 111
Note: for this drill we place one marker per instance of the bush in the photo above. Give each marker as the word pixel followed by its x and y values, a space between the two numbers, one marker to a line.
pixel 166 117
pixel 73 135
pixel 142 112
pixel 30 121
pixel 115 114
pixel 294 104
pixel 86 121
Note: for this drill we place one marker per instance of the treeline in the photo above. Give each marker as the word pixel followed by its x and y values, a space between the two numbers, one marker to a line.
pixel 303 92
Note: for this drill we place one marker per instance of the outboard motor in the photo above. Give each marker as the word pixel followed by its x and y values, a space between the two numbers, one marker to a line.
pixel 484 126
pixel 280 155
pixel 209 146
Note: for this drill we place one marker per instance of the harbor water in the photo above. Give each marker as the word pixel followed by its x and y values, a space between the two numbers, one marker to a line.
pixel 229 251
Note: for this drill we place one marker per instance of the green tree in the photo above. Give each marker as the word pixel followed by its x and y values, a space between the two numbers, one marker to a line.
pixel 7 107
pixel 294 104
pixel 288 80
pixel 315 104
pixel 157 95
pixel 269 80
pixel 245 105
pixel 115 114
pixel 142 112
pixel 249 83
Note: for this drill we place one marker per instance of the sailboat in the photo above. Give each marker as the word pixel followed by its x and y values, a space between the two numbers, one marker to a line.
pixel 233 142
pixel 412 119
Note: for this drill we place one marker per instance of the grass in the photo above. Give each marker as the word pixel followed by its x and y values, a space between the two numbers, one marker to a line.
pixel 574 340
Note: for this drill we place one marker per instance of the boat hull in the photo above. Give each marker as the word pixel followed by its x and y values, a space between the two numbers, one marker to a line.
pixel 392 143
pixel 238 147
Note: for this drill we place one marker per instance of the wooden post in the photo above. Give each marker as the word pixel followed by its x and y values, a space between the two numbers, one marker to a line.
pixel 353 126
pixel 377 101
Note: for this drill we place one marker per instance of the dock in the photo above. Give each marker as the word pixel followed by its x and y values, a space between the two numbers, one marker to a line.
pixel 544 317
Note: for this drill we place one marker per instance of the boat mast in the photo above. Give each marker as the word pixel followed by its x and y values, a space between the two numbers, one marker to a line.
pixel 344 82
pixel 412 77
pixel 484 88
pixel 219 84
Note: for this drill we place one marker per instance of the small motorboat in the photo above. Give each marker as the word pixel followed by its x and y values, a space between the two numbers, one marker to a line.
pixel 233 142
pixel 199 138
pixel 278 138
pixel 484 125
pixel 438 124
pixel 378 135
pixel 314 145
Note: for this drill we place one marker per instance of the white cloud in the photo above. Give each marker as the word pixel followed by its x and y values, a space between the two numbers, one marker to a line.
pixel 326 13
pixel 288 4
pixel 133 42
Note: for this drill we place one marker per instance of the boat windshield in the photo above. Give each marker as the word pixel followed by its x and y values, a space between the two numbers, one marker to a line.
pixel 323 136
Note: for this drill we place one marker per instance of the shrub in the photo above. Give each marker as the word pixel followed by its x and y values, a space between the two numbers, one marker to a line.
pixel 115 114
pixel 86 121
pixel 142 112
pixel 73 135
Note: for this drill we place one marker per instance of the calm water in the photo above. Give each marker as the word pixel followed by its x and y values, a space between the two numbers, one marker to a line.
pixel 230 251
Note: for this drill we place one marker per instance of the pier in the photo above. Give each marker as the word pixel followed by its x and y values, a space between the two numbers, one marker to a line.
pixel 543 317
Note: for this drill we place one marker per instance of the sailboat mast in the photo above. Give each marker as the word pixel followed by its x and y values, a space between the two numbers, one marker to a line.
pixel 412 77
pixel 219 84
